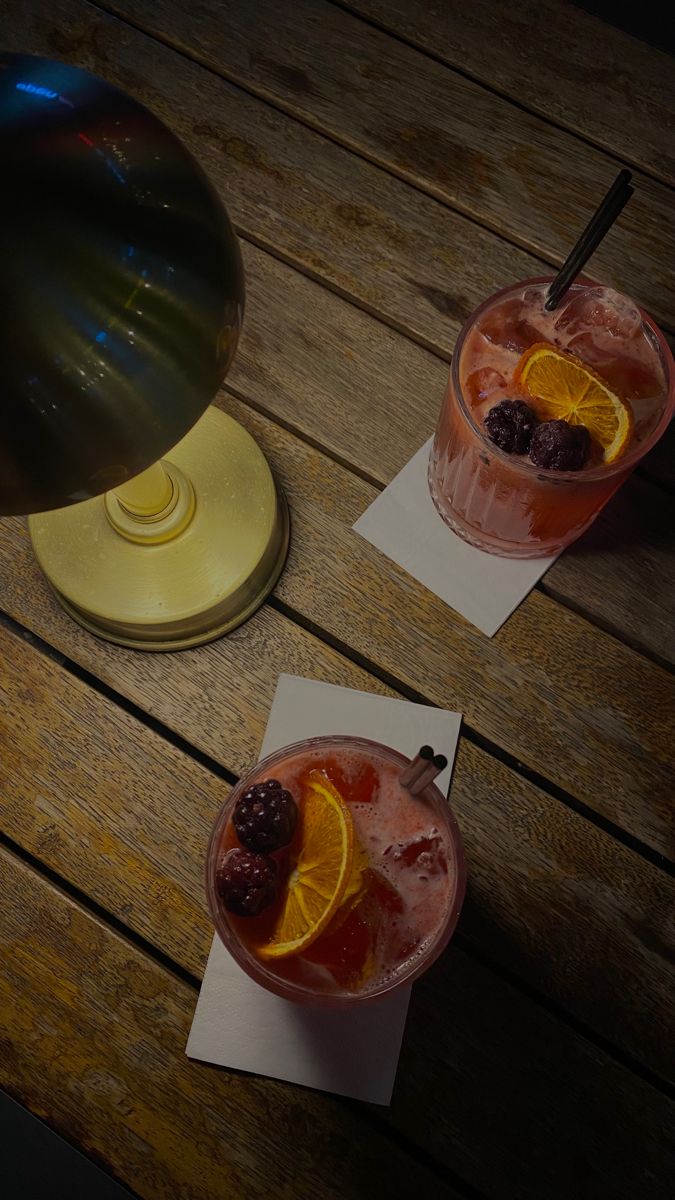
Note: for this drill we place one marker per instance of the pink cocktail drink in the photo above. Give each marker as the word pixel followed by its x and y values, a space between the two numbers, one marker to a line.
pixel 390 927
pixel 504 502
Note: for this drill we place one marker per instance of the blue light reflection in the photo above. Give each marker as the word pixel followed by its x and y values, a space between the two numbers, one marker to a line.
pixel 36 90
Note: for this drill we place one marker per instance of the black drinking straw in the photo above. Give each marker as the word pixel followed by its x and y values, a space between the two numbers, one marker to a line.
pixel 602 220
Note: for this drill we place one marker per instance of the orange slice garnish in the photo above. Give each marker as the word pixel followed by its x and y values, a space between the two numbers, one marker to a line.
pixel 564 388
pixel 321 872
pixel 356 886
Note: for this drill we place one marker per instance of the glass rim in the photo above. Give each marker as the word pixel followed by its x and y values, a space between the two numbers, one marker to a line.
pixel 253 967
pixel 593 474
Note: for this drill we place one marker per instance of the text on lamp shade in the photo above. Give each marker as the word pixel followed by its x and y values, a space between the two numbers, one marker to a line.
pixel 35 90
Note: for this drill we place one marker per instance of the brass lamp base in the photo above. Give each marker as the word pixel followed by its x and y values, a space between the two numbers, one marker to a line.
pixel 187 575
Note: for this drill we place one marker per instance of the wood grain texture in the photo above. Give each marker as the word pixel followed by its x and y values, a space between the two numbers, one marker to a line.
pixel 565 698
pixel 338 376
pixel 477 1055
pixel 557 693
pixel 93 1040
pixel 297 192
pixel 125 818
pixel 510 170
pixel 199 694
pixel 567 65
pixel 522 1093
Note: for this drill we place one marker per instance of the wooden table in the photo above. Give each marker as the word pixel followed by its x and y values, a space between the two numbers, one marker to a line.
pixel 388 164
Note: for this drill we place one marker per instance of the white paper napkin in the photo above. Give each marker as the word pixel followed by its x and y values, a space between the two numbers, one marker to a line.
pixel 403 523
pixel 239 1024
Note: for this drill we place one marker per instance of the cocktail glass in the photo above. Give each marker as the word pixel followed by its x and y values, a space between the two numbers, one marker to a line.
pixel 502 502
pixel 389 822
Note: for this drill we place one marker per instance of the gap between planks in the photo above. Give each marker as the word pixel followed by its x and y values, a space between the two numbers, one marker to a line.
pixel 360 151
pixel 302 269
pixel 111 923
pixel 478 739
pixel 632 843
pixel 383 318
pixel 542 586
pixel 606 626
pixel 503 94
pixel 464 942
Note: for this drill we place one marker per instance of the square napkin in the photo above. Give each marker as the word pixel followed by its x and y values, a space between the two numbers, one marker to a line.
pixel 239 1024
pixel 403 523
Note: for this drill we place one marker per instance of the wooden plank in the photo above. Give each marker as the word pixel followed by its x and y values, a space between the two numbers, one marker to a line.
pixel 540 875
pixel 568 700
pixel 525 1090
pixel 565 698
pixel 197 693
pixel 564 64
pixel 96 1047
pixel 512 171
pixel 305 379
pixel 291 189
pixel 315 374
pixel 400 254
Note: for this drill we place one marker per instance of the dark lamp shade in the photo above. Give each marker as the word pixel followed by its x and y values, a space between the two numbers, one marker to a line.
pixel 121 287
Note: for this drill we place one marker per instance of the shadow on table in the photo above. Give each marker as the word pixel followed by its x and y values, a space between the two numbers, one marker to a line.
pixel 641 515
pixel 643 510
pixel 659 465
pixel 517 1102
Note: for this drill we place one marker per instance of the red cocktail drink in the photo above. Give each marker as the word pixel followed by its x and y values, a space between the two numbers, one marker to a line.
pixel 503 501
pixel 318 939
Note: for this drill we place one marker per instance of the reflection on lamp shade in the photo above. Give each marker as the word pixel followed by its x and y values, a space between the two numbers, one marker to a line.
pixel 120 282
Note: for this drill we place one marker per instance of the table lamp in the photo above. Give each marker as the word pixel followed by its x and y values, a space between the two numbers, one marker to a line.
pixel 122 299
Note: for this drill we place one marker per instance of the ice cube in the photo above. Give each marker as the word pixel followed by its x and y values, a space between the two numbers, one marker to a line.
pixel 599 309
pixel 534 297
pixel 384 894
pixel 482 383
pixel 588 348
pixel 404 947
pixel 425 852
pixel 632 375
pixel 509 325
